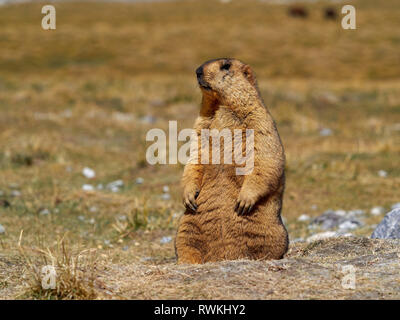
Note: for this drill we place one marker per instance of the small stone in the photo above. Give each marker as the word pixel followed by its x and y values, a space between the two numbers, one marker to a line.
pixel 88 173
pixel 114 189
pixel 148 119
pixel 303 217
pixel 115 185
pixel 15 193
pixel 322 236
pixel 2 229
pixel 376 211
pixel 165 189
pixel 348 225
pixel 93 209
pixel 382 173
pixel 81 218
pixel 139 180
pixel 165 240
pixel 44 212
pixel 92 221
pixel 166 196
pixel 87 187
pixel 107 242
pixel 325 132
pixel 389 228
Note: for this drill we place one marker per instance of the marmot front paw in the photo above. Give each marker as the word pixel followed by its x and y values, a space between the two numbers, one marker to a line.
pixel 244 204
pixel 189 198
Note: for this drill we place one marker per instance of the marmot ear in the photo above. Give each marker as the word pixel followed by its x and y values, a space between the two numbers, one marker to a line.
pixel 249 74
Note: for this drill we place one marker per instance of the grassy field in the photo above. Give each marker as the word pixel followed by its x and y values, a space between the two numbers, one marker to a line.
pixel 85 94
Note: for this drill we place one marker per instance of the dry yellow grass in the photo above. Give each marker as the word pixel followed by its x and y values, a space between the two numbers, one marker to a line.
pixel 76 97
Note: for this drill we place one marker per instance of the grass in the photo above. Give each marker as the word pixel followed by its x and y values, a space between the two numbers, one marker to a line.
pixel 76 97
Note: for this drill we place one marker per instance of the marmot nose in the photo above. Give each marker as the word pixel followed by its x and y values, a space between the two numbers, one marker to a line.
pixel 199 72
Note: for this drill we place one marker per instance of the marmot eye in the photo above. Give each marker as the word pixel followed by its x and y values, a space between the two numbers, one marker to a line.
pixel 226 66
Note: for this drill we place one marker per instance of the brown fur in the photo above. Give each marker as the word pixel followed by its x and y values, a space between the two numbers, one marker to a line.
pixel 213 229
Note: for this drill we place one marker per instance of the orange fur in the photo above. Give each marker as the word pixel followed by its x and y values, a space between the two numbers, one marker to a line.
pixel 215 231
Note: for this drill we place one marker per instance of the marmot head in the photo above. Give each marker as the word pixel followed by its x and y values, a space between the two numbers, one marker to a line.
pixel 227 79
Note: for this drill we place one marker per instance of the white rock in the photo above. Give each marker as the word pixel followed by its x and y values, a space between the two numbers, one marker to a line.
pixel 115 184
pixel 44 212
pixel 92 221
pixel 165 189
pixel 165 196
pixel 303 217
pixel 325 132
pixel 322 236
pixel 15 193
pixel 382 173
pixel 87 187
pixel 2 229
pixel 376 211
pixel 165 239
pixel 88 173
pixel 348 225
pixel 139 180
pixel 93 209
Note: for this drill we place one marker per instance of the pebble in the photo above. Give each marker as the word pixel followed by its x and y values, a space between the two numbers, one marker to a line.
pixel 382 173
pixel 303 217
pixel 325 132
pixel 327 235
pixel 115 185
pixel 92 221
pixel 44 212
pixel 87 187
pixel 88 173
pixel 165 189
pixel 15 193
pixel 166 239
pixel 322 236
pixel 148 119
pixel 2 229
pixel 81 218
pixel 348 225
pixel 376 211
pixel 139 180
pixel 93 209
pixel 166 196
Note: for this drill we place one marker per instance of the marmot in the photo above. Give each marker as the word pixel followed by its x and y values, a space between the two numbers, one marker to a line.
pixel 230 216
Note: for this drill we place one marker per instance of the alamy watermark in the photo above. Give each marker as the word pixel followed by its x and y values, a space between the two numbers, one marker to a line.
pixel 49 276
pixel 49 20
pixel 238 147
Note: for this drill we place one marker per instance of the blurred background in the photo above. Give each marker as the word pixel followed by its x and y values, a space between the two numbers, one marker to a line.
pixel 76 104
